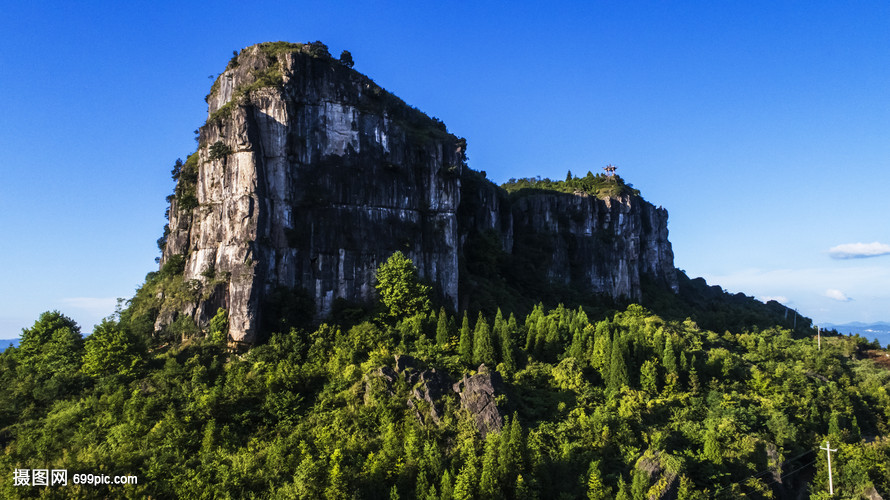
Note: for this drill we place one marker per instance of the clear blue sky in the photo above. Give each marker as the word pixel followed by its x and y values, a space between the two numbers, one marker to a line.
pixel 763 127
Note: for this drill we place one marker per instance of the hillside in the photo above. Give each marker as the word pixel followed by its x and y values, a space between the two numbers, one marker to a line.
pixel 339 315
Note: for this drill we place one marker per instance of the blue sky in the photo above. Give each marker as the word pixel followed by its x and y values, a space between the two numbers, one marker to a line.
pixel 763 127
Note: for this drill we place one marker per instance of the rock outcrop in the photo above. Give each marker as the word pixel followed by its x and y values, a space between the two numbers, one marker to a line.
pixel 479 396
pixel 308 175
pixel 426 386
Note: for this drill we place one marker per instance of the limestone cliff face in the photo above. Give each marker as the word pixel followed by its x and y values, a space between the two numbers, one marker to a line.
pixel 321 176
pixel 308 175
pixel 599 245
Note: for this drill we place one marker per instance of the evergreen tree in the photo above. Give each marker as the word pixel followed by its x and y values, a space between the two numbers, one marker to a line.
pixel 649 377
pixel 521 489
pixel 443 336
pixel 531 326
pixel 712 450
pixel 508 330
pixel 346 59
pixel 542 328
pixel 639 484
pixel 490 479
pixel 531 332
pixel 623 494
pixel 669 358
pixel 576 350
pixel 512 326
pixel 596 489
pixel 446 486
pixel 552 344
pixel 508 354
pixel 466 342
pixel 601 356
pixel 497 331
pixel 513 447
pixel 337 488
pixel 483 350
pixel 618 366
pixel 465 486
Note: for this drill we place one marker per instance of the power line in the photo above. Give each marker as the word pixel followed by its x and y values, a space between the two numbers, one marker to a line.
pixel 767 471
pixel 792 472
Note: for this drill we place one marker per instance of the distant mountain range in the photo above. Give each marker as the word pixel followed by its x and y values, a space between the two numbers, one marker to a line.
pixel 871 331
pixel 4 343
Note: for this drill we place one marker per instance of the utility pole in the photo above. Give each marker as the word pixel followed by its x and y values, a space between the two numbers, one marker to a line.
pixel 819 337
pixel 829 450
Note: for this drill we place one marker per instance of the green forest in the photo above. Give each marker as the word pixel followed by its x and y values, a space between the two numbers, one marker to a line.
pixel 622 401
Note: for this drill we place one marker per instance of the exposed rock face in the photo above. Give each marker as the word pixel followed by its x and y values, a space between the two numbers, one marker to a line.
pixel 426 385
pixel 662 476
pixel 599 245
pixel 328 176
pixel 309 175
pixel 478 395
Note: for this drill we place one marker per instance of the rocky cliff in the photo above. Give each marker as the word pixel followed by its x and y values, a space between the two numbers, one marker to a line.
pixel 308 175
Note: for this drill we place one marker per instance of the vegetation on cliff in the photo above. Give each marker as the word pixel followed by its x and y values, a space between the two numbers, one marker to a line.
pixel 597 404
pixel 599 185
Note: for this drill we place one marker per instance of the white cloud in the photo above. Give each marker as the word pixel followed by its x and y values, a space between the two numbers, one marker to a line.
pixel 805 288
pixel 833 293
pixel 96 305
pixel 781 299
pixel 858 250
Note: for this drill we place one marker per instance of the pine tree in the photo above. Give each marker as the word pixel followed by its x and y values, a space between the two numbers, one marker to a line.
pixel 639 484
pixel 497 332
pixel 669 358
pixel 490 479
pixel 618 366
pixel 508 346
pixel 596 490
pixel 542 328
pixel 531 326
pixel 623 494
pixel 602 350
pixel 507 355
pixel 649 377
pixel 336 482
pixel 442 333
pixel 467 480
pixel 531 332
pixel 483 350
pixel 466 342
pixel 521 489
pixel 552 343
pixel 579 338
pixel 512 447
pixel 446 486
pixel 712 449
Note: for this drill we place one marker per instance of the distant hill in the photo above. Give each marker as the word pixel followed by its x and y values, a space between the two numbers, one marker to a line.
pixel 880 330
pixel 4 343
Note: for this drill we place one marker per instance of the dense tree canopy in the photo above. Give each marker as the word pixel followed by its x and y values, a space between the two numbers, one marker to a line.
pixel 624 404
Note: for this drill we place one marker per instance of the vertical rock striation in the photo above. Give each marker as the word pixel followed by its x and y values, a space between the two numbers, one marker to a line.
pixel 308 175
pixel 600 246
